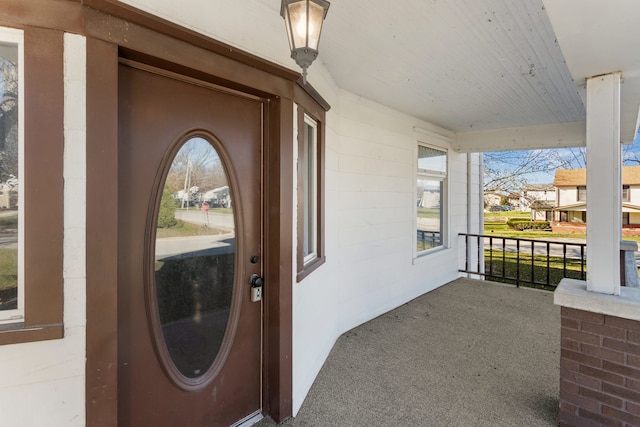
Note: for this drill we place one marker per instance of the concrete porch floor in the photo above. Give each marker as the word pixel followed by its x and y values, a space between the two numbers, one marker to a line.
pixel 471 353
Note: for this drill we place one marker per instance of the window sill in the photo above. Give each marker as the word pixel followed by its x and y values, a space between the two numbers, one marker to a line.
pixel 22 334
pixel 310 267
pixel 426 255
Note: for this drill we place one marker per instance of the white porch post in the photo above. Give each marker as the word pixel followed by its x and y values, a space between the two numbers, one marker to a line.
pixel 604 184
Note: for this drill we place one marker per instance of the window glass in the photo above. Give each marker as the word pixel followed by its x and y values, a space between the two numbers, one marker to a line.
pixel 430 198
pixel 309 173
pixel 582 193
pixel 625 193
pixel 11 289
pixel 429 218
pixel 195 257
pixel 431 159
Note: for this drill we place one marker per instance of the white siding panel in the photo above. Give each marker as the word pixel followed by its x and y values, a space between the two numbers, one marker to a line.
pixel 568 196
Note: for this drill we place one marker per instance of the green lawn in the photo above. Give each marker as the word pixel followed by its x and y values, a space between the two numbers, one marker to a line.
pixel 428 213
pixel 186 229
pixel 8 268
pixel 510 270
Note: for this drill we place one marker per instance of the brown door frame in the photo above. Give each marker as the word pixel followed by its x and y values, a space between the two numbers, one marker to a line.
pixel 113 29
pixel 149 46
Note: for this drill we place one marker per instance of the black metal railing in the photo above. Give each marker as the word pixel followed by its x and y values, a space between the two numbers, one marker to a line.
pixel 428 239
pixel 523 261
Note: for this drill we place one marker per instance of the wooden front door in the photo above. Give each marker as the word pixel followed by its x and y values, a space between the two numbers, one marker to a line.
pixel 190 229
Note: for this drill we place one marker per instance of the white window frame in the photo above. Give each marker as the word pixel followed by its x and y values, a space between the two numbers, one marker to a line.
pixel 310 189
pixel 444 199
pixel 13 36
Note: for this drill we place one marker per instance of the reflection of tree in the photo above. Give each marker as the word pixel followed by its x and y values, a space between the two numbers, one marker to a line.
pixel 8 119
pixel 206 168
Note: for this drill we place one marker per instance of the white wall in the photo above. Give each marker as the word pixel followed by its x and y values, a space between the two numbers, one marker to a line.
pixel 567 196
pixel 43 383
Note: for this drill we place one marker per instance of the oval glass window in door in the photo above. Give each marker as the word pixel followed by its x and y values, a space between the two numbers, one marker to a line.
pixel 195 257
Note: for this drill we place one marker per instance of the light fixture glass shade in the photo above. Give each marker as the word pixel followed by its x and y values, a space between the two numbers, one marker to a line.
pixel 303 19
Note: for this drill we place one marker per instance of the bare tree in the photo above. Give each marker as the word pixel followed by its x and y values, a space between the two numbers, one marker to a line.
pixel 206 171
pixel 8 120
pixel 508 171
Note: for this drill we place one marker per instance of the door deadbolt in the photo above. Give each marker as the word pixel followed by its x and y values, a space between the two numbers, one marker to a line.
pixel 256 283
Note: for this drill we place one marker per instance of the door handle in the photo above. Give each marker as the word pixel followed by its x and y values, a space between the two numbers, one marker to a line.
pixel 256 283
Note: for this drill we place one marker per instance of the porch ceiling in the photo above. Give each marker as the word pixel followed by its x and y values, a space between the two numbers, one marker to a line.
pixel 490 70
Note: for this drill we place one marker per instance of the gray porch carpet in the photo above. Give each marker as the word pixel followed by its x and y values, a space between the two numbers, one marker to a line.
pixel 470 353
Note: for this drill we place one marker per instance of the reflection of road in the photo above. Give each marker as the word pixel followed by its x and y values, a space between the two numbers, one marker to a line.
pixel 180 245
pixel 196 216
pixel 539 248
pixel 8 240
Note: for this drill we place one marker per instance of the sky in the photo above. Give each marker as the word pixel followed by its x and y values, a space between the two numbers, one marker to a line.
pixel 538 166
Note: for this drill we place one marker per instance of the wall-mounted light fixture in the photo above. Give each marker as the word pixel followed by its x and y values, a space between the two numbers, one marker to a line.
pixel 304 19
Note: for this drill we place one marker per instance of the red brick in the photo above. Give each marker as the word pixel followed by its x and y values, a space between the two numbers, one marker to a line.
pixel 603 353
pixel 632 408
pixel 616 368
pixel 602 419
pixel 609 377
pixel 569 387
pixel 622 392
pixel 621 415
pixel 607 331
pixel 566 419
pixel 633 336
pixel 580 401
pixel 581 358
pixel 618 322
pixel 591 350
pixel 632 384
pixel 587 316
pixel 580 336
pixel 612 355
pixel 601 397
pixel 621 346
pixel 570 323
pixel 570 344
pixel 570 365
pixel 579 379
pixel 633 360
pixel 568 407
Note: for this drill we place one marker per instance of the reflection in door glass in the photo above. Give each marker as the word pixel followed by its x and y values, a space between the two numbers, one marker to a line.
pixel 195 257
pixel 11 297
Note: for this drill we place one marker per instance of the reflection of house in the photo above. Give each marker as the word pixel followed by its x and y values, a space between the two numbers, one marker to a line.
pixel 536 197
pixel 430 199
pixel 570 209
pixel 8 196
pixel 218 197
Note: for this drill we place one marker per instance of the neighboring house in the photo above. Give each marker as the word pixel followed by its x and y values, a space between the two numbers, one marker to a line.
pixel 325 174
pixel 492 198
pixel 513 199
pixel 570 210
pixel 537 197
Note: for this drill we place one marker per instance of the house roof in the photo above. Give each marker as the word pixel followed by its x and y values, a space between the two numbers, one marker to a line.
pixel 575 177
pixel 538 187
pixel 541 205
pixel 582 206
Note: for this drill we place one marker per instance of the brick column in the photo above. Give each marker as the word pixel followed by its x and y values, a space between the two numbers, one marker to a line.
pixel 599 370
